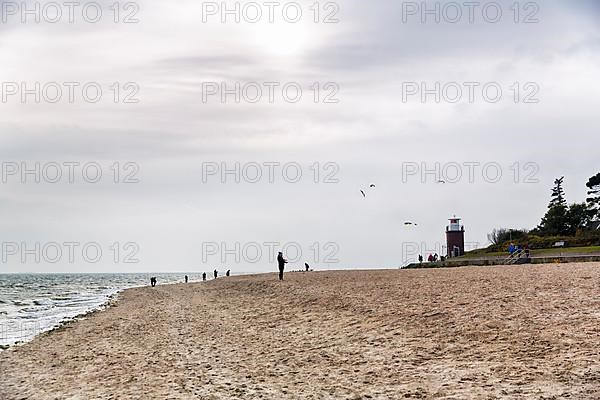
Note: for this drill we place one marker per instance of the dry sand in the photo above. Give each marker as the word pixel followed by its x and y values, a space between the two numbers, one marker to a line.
pixel 519 332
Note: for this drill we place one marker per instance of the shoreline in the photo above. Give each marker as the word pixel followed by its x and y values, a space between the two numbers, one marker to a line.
pixel 517 331
pixel 108 302
pixel 67 320
pixel 20 330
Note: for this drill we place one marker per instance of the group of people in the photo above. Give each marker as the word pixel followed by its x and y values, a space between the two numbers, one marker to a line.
pixel 281 261
pixel 432 258
pixel 187 278
pixel 216 274
pixel 518 250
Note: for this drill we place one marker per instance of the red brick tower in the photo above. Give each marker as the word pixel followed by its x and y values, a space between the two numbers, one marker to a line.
pixel 455 238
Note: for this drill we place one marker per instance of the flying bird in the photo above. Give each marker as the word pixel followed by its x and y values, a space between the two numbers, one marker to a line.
pixel 363 193
pixel 441 181
pixel 407 223
pixel 372 185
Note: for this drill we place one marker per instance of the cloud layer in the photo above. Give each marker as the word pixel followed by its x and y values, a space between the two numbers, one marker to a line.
pixel 369 135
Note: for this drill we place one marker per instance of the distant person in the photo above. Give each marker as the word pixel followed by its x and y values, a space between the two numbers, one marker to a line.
pixel 281 262
pixel 215 273
pixel 511 248
pixel 153 281
pixel 430 258
pixel 306 266
pixel 204 276
pixel 420 259
pixel 186 279
pixel 228 272
pixel 435 257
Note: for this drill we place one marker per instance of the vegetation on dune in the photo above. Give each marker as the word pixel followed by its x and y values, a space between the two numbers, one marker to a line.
pixel 577 224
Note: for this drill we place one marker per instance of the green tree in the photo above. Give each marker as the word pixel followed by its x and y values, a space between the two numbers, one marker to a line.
pixel 594 197
pixel 558 194
pixel 555 222
pixel 578 218
pixel 502 235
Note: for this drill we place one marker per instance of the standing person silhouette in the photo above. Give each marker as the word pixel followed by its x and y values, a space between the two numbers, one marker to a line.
pixel 215 273
pixel 204 276
pixel 228 272
pixel 186 279
pixel 281 261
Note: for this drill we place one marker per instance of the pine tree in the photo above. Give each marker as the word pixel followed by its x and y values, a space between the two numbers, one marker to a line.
pixel 556 220
pixel 558 194
pixel 594 196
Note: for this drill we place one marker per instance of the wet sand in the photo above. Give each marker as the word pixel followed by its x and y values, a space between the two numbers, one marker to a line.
pixel 519 332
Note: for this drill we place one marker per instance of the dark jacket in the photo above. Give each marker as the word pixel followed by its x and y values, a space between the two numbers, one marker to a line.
pixel 281 261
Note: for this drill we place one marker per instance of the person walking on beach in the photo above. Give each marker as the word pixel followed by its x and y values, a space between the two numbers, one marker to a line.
pixel 228 272
pixel 215 273
pixel 186 279
pixel 281 261
pixel 204 276
pixel 306 266
pixel 420 259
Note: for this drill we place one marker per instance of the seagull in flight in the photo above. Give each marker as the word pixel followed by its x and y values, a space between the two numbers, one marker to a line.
pixel 407 223
pixel 372 185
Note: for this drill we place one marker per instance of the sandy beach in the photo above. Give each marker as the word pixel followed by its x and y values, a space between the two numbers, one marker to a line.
pixel 519 332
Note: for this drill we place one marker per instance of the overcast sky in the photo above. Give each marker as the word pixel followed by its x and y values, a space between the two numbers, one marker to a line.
pixel 375 127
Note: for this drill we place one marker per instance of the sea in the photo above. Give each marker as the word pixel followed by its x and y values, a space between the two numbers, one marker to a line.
pixel 34 303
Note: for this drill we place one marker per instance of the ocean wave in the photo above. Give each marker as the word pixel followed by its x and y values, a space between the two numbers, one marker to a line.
pixel 61 298
pixel 76 305
pixel 32 316
pixel 31 310
pixel 43 302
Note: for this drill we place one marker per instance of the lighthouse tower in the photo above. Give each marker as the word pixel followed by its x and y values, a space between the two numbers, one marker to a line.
pixel 455 238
